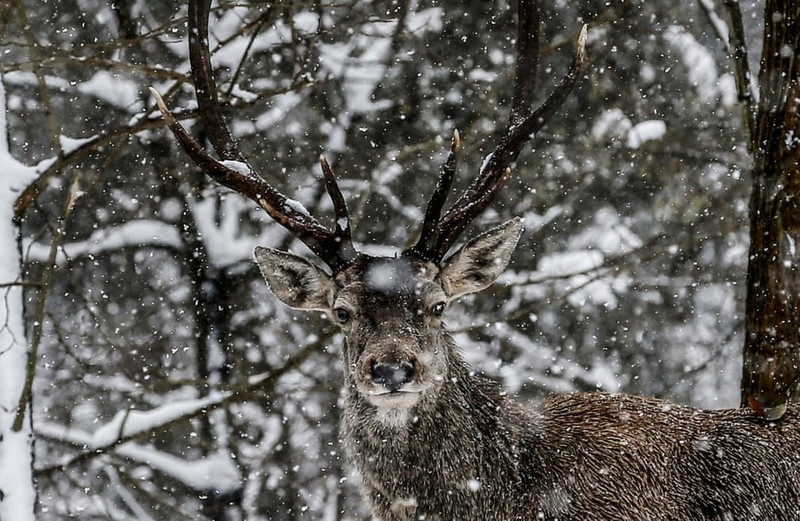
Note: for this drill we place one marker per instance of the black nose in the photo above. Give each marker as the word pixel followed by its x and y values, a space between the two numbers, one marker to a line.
pixel 392 376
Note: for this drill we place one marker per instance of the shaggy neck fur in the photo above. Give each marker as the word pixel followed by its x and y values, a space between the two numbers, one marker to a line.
pixel 469 453
pixel 407 458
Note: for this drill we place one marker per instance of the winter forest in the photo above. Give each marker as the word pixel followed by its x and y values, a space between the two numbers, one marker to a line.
pixel 143 353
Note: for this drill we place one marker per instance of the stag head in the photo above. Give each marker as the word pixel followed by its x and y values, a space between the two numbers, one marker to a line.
pixel 389 309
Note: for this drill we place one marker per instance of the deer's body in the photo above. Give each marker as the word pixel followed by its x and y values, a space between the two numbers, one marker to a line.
pixel 434 441
pixel 575 457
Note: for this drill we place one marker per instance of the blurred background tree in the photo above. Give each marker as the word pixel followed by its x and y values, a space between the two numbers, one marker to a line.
pixel 771 365
pixel 170 384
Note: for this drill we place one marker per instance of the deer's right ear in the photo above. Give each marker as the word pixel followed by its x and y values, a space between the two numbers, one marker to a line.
pixel 294 280
pixel 478 263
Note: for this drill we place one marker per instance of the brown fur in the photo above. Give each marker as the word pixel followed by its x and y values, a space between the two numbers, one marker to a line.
pixel 474 454
pixel 446 444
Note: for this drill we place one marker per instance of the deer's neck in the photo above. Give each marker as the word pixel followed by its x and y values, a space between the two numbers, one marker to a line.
pixel 465 438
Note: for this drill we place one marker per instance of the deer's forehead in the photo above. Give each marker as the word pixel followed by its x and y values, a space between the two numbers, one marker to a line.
pixel 390 280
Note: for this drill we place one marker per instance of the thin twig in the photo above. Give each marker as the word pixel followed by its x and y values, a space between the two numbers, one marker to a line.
pixel 234 395
pixel 38 323
pixel 745 83
pixel 732 35
pixel 24 284
pixel 44 93
pixel 95 63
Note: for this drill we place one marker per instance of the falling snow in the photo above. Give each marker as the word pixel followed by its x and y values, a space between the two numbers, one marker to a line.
pixel 169 381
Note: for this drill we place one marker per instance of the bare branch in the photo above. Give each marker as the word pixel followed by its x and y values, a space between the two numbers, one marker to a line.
pixel 38 324
pixel 250 390
pixel 205 85
pixel 733 36
pixel 744 78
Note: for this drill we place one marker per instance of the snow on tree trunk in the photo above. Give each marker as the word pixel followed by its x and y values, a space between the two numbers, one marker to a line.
pixel 17 492
pixel 772 344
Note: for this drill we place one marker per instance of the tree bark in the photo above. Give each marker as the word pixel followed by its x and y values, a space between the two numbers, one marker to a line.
pixel 771 362
pixel 17 491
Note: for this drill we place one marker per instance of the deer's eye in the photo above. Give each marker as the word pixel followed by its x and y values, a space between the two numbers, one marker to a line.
pixel 342 315
pixel 437 309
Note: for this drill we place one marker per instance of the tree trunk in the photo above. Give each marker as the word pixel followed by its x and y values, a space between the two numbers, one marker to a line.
pixel 17 492
pixel 772 343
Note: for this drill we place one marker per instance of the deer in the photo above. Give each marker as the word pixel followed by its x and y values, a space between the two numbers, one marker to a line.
pixel 434 440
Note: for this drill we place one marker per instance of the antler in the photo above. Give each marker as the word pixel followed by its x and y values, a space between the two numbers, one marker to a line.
pixel 438 236
pixel 335 248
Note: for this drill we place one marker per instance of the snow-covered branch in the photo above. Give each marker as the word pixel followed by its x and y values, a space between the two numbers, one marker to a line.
pixel 133 234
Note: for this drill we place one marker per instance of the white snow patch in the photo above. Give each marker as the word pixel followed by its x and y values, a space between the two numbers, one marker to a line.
pixel 337 139
pixel 647 73
pixel 29 78
pixel 132 422
pixel 425 20
pixel 578 269
pixel 305 22
pixel 605 377
pixel 728 93
pixel 236 45
pixel 535 222
pixel 217 471
pixel 478 75
pixel 485 161
pixel 567 263
pixel 244 95
pixel 16 447
pixel 281 107
pixel 698 61
pixel 612 124
pixel 719 24
pixel 237 166
pixel 296 206
pixel 219 223
pixel 607 233
pixel 69 145
pixel 143 232
pixel 363 61
pixel 114 89
pixel 649 130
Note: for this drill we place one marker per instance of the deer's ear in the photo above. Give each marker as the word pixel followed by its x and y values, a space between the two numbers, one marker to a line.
pixel 479 262
pixel 294 280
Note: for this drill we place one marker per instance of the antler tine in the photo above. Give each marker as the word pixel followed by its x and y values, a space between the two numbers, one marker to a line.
pixel 342 233
pixel 429 231
pixel 523 124
pixel 238 177
pixel 234 172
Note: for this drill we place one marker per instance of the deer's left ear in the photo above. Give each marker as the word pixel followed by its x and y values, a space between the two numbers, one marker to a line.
pixel 479 262
pixel 294 280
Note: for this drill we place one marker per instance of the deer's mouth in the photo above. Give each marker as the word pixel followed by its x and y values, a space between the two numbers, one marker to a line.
pixel 403 398
pixel 400 399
